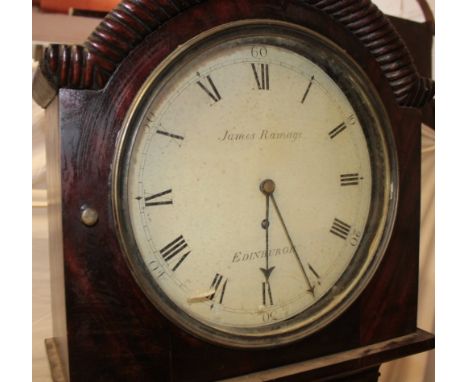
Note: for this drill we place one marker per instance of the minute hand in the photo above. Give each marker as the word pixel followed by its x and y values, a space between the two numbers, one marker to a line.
pixel 311 288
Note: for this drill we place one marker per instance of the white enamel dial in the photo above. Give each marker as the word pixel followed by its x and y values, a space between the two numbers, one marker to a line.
pixel 249 186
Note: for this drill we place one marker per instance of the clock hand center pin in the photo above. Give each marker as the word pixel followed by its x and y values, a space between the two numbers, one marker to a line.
pixel 267 186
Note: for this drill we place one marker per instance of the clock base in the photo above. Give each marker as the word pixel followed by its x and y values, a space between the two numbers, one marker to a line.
pixel 367 375
pixel 356 365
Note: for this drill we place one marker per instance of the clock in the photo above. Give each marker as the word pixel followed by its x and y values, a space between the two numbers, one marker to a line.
pixel 255 184
pixel 234 184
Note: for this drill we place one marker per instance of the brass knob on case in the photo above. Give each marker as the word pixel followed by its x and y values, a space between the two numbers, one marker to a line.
pixel 89 216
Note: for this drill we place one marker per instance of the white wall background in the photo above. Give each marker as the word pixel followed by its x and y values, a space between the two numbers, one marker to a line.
pixel 408 9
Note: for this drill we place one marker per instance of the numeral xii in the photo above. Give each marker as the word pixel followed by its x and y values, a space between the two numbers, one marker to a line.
pixel 262 76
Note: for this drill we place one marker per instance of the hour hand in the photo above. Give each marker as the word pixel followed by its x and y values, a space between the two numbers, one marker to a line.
pixel 267 272
pixel 267 187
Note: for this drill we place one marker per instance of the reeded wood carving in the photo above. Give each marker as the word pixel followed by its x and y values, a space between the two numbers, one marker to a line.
pixel 90 66
pixel 373 29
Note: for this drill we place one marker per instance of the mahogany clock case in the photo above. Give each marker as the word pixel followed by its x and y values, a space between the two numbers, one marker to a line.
pixel 106 328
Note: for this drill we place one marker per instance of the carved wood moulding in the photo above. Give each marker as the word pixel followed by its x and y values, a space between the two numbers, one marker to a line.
pixel 90 66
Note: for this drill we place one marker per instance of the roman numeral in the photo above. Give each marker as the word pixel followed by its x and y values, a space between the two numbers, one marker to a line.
pixel 149 200
pixel 150 116
pixel 350 179
pixel 171 252
pixel 212 92
pixel 215 284
pixel 266 292
pixel 312 289
pixel 313 271
pixel 155 268
pixel 307 90
pixel 338 129
pixel 340 229
pixel 170 135
pixel 262 78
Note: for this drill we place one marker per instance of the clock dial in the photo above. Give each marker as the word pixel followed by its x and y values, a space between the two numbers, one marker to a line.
pixel 255 188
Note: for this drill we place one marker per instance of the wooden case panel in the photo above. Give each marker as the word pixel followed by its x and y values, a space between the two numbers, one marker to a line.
pixel 114 333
